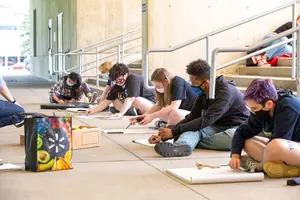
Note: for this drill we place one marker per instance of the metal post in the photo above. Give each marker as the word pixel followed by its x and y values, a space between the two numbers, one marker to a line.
pixel 207 51
pixel 118 54
pixel 145 61
pixel 97 67
pixel 80 64
pixel 298 65
pixel 213 72
pixel 122 59
pixel 294 43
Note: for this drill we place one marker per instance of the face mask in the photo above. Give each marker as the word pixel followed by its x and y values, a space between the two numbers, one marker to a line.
pixel 262 114
pixel 197 90
pixel 121 84
pixel 105 76
pixel 68 83
pixel 160 90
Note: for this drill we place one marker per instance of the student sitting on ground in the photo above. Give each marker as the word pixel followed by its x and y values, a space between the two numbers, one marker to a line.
pixel 211 123
pixel 9 107
pixel 276 115
pixel 175 98
pixel 127 92
pixel 277 51
pixel 104 69
pixel 69 89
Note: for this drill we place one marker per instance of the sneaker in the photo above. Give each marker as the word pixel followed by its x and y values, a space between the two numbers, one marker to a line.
pixel 281 170
pixel 161 124
pixel 248 163
pixel 130 111
pixel 264 63
pixel 167 149
pixel 94 97
pixel 255 59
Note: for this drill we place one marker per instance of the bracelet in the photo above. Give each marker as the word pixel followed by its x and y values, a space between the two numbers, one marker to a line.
pixel 14 101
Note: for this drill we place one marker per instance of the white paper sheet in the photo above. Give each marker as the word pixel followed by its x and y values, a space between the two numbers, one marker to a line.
pixel 146 143
pixel 76 109
pixel 131 131
pixel 219 175
pixel 91 117
pixel 9 166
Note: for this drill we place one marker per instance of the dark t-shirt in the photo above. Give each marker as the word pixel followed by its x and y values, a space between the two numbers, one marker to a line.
pixel 181 90
pixel 285 124
pixel 134 87
pixel 285 27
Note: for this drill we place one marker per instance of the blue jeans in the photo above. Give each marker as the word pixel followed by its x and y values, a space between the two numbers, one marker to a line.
pixel 7 109
pixel 212 137
pixel 278 51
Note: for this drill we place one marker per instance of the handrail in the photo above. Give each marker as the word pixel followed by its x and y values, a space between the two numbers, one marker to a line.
pixel 117 37
pixel 214 68
pixel 145 64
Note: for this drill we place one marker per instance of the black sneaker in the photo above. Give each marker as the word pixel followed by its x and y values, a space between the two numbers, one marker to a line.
pixel 160 124
pixel 130 111
pixel 167 149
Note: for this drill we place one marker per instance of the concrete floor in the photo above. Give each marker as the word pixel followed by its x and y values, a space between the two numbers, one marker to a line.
pixel 118 169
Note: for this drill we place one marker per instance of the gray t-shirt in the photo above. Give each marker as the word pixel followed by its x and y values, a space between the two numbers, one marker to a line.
pixel 2 82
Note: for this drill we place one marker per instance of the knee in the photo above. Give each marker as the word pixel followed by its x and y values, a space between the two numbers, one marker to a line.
pixel 174 117
pixel 248 144
pixel 274 148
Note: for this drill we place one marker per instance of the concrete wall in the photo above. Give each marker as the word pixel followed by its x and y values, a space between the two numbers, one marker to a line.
pixel 101 19
pixel 172 22
pixel 45 10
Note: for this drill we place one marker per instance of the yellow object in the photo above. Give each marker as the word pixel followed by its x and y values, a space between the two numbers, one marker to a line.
pixel 44 167
pixel 68 157
pixel 281 170
pixel 54 165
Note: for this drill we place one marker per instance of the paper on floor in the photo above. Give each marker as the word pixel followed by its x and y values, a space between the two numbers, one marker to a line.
pixel 76 109
pixel 218 175
pixel 9 166
pixel 146 143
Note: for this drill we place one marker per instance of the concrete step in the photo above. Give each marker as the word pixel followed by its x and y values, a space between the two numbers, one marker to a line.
pixel 280 71
pixel 279 82
pixel 135 70
pixel 243 90
pixel 284 62
pixel 102 82
pixel 135 65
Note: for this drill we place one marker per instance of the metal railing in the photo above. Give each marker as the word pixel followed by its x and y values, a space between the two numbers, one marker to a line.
pixel 216 51
pixel 146 51
pixel 112 50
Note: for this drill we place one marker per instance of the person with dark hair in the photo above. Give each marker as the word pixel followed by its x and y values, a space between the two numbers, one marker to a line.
pixel 211 123
pixel 8 108
pixel 71 88
pixel 175 99
pixel 286 27
pixel 126 93
pixel 271 135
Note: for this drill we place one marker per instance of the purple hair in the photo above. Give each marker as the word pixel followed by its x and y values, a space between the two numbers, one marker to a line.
pixel 260 91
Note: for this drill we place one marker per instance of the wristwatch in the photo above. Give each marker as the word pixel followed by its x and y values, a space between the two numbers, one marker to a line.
pixel 14 101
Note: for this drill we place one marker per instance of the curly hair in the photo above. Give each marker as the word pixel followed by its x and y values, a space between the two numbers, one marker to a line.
pixel 199 68
pixel 119 69
pixel 76 92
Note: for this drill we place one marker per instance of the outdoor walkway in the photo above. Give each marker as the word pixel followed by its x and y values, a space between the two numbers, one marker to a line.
pixel 118 169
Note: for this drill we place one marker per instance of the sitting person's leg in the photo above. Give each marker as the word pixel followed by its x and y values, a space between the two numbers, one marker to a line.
pixel 87 91
pixel 117 105
pixel 183 146
pixel 216 137
pixel 176 116
pixel 278 51
pixel 272 156
pixel 7 110
pixel 142 105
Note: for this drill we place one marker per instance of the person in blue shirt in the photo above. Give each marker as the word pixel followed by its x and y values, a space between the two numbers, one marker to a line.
pixel 271 135
pixel 175 98
pixel 8 108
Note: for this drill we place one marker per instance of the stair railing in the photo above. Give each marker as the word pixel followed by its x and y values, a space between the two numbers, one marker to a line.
pixel 216 51
pixel 113 48
pixel 206 37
